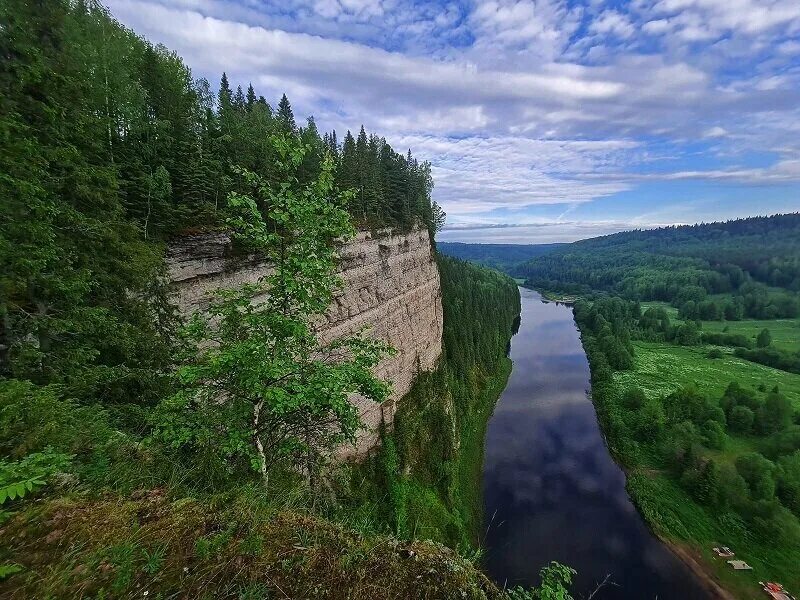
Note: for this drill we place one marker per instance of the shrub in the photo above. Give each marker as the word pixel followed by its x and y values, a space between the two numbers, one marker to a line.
pixel 741 419
pixel 758 472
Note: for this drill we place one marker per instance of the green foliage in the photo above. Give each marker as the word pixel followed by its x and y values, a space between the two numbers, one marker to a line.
pixel 775 414
pixel 789 481
pixel 758 472
pixel 20 478
pixel 503 257
pixel 9 569
pixel 684 265
pixel 555 581
pixel 428 469
pixel 764 338
pixel 771 357
pixel 257 386
pixel 714 452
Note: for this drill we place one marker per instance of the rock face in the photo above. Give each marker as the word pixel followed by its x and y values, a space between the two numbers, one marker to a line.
pixel 391 286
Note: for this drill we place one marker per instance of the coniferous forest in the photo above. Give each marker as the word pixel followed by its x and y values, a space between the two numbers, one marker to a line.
pixel 110 146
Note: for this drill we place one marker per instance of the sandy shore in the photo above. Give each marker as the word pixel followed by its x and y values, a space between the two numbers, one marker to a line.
pixel 696 565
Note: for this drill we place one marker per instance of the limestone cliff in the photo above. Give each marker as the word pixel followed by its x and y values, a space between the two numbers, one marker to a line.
pixel 391 285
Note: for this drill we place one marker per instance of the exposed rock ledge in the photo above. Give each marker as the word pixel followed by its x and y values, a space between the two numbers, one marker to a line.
pixel 391 285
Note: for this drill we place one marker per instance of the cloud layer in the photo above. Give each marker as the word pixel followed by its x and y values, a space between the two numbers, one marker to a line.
pixel 520 104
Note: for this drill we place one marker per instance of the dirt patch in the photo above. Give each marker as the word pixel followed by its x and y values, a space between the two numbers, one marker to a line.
pixel 696 564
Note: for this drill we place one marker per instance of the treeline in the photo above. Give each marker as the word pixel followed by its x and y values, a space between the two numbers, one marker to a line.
pixel 503 257
pixel 685 265
pixel 431 463
pixel 681 431
pixel 109 145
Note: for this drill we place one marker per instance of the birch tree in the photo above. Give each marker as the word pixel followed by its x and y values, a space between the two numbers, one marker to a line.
pixel 258 384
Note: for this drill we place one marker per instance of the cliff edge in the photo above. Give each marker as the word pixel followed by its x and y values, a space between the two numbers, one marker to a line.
pixel 391 286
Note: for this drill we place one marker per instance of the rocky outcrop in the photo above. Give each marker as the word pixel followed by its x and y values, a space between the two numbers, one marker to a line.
pixel 391 286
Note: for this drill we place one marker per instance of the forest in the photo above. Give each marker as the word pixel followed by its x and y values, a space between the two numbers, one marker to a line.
pixel 757 260
pixel 121 472
pixel 110 147
pixel 503 257
pixel 692 338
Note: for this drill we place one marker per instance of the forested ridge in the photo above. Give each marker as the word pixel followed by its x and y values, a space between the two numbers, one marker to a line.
pixel 685 263
pixel 504 257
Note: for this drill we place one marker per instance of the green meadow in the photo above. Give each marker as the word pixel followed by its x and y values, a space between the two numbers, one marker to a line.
pixel 660 369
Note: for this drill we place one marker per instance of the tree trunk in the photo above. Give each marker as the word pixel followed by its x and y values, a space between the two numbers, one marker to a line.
pixel 259 446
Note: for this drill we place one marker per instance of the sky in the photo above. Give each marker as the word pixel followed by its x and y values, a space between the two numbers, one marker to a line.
pixel 544 120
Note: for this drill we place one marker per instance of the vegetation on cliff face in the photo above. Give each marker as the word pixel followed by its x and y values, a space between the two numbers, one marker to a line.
pixel 430 464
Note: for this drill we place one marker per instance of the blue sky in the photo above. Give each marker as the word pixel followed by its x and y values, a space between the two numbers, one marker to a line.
pixel 544 120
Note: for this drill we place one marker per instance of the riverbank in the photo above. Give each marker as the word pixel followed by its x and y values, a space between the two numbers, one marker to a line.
pixel 695 563
pixel 645 444
pixel 567 299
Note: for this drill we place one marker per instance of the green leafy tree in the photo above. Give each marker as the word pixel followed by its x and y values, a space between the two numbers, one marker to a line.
pixel 758 472
pixel 741 419
pixel 258 383
pixel 775 414
pixel 555 581
pixel 789 481
pixel 764 338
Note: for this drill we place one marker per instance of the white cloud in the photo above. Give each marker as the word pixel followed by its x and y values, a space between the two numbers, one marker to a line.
pixel 518 102
pixel 612 22
pixel 715 132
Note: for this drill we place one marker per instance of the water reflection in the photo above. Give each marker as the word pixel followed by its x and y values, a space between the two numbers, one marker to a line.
pixel 551 490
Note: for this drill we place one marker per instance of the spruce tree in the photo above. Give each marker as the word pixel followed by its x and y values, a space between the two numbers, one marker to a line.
pixel 286 116
pixel 251 97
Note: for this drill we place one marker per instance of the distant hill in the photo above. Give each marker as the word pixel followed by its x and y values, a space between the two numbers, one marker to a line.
pixel 503 257
pixel 677 263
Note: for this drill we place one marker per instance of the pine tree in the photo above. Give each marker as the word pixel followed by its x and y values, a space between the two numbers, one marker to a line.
pixel 224 96
pixel 347 176
pixel 239 102
pixel 362 168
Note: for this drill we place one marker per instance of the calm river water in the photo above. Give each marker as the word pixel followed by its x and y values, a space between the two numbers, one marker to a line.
pixel 551 490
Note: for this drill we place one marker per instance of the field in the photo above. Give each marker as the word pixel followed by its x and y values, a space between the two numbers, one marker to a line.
pixel 663 368
pixel 785 332
pixel 659 369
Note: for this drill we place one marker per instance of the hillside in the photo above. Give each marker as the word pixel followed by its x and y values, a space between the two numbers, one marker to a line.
pixel 503 257
pixel 660 264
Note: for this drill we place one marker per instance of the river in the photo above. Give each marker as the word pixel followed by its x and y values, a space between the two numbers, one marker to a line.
pixel 551 490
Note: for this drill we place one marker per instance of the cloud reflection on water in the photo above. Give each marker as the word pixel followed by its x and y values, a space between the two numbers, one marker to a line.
pixel 551 490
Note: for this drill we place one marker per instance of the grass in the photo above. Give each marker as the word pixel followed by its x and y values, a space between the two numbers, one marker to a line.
pixel 226 547
pixel 675 516
pixel 660 369
pixel 785 332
